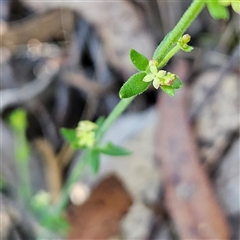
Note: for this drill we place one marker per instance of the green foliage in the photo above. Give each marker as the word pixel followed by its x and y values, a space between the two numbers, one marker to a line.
pixel 216 10
pixel 71 136
pixel 134 86
pixel 55 223
pixel 18 119
pixel 100 121
pixel 138 60
pixel 114 150
pixel 177 84
pixel 187 48
pixel 168 90
pixel 22 152
pixel 94 152
pixel 94 160
pixel 157 55
pixel 183 43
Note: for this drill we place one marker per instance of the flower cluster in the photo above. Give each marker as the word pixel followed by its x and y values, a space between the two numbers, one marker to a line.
pixel 159 78
pixel 167 81
pixel 234 3
pixel 85 133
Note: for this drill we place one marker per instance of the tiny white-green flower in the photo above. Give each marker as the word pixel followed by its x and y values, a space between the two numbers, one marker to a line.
pixel 86 126
pixel 87 139
pixel 86 133
pixel 185 39
pixel 154 75
pixel 169 79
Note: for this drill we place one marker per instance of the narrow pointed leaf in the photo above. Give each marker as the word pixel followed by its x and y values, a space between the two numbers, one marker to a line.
pixel 168 90
pixel 138 60
pixel 94 160
pixel 216 10
pixel 134 86
pixel 114 150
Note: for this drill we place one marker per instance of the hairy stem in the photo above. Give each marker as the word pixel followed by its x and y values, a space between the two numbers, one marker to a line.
pixel 117 111
pixel 173 51
pixel 189 16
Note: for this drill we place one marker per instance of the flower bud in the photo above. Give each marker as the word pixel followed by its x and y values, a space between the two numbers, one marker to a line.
pixel 186 38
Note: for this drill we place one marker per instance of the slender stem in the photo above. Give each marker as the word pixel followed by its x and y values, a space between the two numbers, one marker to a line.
pixel 22 163
pixel 117 111
pixel 78 169
pixel 173 51
pixel 189 16
pixel 75 174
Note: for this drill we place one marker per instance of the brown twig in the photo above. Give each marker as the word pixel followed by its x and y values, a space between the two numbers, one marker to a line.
pixel 188 198
pixel 64 156
pixel 54 174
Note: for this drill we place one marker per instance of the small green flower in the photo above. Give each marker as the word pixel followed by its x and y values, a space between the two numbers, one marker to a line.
pixel 234 3
pixel 156 76
pixel 183 43
pixel 40 200
pixel 86 126
pixel 85 133
pixel 169 79
pixel 87 139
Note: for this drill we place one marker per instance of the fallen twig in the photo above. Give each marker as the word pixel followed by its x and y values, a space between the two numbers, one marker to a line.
pixel 188 197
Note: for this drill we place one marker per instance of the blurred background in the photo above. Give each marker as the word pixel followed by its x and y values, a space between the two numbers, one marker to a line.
pixel 62 62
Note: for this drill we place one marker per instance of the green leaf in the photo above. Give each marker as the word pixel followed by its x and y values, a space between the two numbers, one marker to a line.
pixel 134 86
pixel 216 10
pixel 94 160
pixel 70 136
pixel 114 150
pixel 176 84
pixel 187 49
pixel 54 223
pixel 168 90
pixel 138 60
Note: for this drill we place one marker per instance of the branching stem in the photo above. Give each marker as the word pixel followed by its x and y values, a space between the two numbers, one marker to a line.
pixel 162 54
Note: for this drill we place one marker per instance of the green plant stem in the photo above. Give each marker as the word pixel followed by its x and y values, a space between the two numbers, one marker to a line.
pixel 22 163
pixel 117 111
pixel 78 169
pixel 162 54
pixel 74 176
pixel 173 51
pixel 189 16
